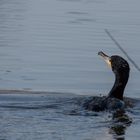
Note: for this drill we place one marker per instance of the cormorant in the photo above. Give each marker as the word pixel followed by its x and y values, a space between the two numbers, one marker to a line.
pixel 114 100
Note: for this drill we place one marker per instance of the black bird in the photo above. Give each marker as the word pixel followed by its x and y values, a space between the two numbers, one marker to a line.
pixel 114 100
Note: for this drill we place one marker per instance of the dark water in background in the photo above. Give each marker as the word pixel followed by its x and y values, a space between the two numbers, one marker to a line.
pixel 52 45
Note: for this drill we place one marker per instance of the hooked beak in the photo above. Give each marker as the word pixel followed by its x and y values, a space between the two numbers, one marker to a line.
pixel 106 58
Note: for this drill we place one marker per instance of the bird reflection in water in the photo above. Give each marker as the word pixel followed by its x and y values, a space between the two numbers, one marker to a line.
pixel 121 121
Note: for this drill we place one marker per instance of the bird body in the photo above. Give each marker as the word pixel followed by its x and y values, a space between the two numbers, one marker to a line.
pixel 104 103
pixel 114 100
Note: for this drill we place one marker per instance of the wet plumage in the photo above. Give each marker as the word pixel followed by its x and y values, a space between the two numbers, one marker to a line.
pixel 114 100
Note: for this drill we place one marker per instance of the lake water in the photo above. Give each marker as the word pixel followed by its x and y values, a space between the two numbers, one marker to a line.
pixel 52 46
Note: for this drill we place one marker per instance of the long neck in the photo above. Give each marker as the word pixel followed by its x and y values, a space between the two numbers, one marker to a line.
pixel 119 85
